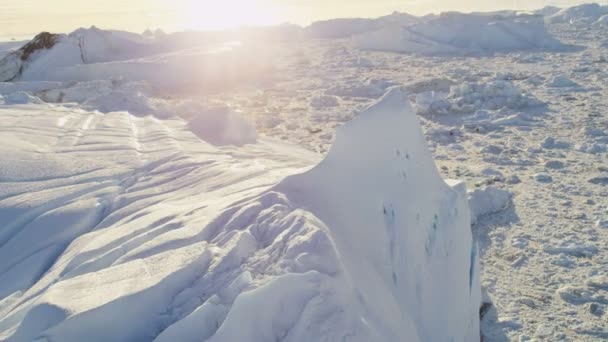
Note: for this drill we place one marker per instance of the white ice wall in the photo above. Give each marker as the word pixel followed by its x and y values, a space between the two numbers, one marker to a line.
pixel 403 235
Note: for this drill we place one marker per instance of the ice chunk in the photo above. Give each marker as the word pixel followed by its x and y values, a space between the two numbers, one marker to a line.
pixel 487 200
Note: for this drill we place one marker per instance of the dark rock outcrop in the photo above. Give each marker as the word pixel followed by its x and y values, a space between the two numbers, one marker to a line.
pixel 11 65
pixel 44 40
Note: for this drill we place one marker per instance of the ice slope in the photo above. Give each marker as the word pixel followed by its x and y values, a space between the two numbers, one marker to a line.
pixel 462 34
pixel 124 228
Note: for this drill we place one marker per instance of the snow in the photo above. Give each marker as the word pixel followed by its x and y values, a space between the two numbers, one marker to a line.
pixel 561 81
pixel 418 233
pixel 585 13
pixel 20 98
pixel 487 200
pixel 602 21
pixel 347 27
pixel 94 54
pixel 470 97
pixel 462 34
pixel 366 90
pixel 323 101
pixel 547 11
pixel 163 231
pixel 222 126
pixel 9 67
pixel 176 231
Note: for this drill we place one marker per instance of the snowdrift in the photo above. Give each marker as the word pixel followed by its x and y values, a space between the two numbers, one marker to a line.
pixel 136 224
pixel 462 34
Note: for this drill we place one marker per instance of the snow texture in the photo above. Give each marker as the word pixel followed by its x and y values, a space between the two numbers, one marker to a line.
pixel 160 233
pixel 133 223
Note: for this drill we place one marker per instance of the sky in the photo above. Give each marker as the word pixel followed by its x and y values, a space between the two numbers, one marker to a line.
pixel 25 18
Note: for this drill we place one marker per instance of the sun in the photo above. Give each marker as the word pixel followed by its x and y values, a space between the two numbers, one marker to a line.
pixel 226 14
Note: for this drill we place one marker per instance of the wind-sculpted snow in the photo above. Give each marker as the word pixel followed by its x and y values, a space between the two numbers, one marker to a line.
pixel 120 228
pixel 462 34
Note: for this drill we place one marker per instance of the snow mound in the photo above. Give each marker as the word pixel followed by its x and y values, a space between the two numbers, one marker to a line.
pixel 222 126
pixel 592 147
pixel 462 34
pixel 585 14
pixel 392 222
pixel 562 81
pixel 487 200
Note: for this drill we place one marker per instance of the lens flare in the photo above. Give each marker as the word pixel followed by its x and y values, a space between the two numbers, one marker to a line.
pixel 226 14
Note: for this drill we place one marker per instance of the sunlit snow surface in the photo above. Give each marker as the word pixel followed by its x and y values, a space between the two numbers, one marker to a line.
pixel 135 223
pixel 178 220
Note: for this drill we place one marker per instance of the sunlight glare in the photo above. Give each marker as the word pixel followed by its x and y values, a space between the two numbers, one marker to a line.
pixel 227 14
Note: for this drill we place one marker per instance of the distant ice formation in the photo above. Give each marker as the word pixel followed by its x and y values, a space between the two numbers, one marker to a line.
pixel 462 34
